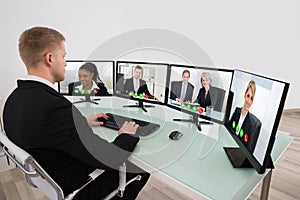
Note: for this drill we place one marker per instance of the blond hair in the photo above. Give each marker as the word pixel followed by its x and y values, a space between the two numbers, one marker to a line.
pixel 252 86
pixel 207 76
pixel 34 43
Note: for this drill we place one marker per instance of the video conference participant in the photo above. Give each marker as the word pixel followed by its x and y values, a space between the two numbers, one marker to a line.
pixel 45 124
pixel 246 125
pixel 136 84
pixel 209 95
pixel 182 91
pixel 89 82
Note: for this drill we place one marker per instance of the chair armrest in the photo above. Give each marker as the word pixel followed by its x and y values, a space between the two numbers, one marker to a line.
pixel 96 173
pixel 92 176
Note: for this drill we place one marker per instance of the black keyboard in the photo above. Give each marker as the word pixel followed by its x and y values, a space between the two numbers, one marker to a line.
pixel 115 121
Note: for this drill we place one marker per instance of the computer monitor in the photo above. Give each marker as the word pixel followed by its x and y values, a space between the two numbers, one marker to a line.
pixel 199 91
pixel 257 104
pixel 142 82
pixel 88 78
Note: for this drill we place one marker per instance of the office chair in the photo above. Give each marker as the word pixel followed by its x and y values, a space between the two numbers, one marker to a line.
pixel 218 102
pixel 37 177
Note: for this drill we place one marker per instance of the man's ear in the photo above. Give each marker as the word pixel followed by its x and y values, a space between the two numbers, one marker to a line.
pixel 48 58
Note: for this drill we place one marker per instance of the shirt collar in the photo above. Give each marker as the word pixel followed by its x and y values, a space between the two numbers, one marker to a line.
pixel 39 79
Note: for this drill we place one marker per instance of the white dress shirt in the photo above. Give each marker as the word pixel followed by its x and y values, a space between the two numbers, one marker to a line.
pixel 39 79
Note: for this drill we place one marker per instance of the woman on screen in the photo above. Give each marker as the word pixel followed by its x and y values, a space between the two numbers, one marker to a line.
pixel 209 95
pixel 89 82
pixel 246 125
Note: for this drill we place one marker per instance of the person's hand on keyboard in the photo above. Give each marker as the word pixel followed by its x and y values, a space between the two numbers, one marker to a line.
pixel 128 127
pixel 93 120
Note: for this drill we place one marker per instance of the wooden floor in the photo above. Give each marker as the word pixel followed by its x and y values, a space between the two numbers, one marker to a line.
pixel 285 182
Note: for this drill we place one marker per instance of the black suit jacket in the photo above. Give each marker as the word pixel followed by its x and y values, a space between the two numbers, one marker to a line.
pixel 129 87
pixel 251 126
pixel 45 124
pixel 214 98
pixel 176 91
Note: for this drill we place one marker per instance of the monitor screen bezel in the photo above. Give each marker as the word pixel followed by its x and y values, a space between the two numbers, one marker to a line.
pixel 163 102
pixel 251 158
pixel 191 112
pixel 85 61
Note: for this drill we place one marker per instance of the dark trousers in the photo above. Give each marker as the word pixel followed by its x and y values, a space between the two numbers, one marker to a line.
pixel 108 181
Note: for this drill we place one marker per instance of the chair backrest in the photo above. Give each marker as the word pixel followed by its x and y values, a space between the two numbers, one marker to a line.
pixel 35 174
pixel 218 103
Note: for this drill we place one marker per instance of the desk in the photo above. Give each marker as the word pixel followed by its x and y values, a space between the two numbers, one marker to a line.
pixel 196 164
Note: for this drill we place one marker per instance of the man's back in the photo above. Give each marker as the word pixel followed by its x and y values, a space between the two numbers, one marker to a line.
pixel 41 121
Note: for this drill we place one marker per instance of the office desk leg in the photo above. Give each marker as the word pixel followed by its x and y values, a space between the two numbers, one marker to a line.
pixel 266 186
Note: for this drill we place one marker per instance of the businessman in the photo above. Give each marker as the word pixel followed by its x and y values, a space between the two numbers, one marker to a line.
pixel 182 91
pixel 137 84
pixel 45 124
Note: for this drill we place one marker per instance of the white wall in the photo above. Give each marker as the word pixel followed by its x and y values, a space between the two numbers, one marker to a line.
pixel 257 36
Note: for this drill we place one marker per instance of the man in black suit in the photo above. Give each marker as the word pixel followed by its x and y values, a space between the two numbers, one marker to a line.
pixel 182 91
pixel 245 124
pixel 45 124
pixel 136 84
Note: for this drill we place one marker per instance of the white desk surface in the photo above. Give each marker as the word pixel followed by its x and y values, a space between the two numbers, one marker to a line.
pixel 195 164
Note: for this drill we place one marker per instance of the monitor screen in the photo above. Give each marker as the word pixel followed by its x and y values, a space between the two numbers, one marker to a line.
pixel 200 91
pixel 254 116
pixel 141 81
pixel 92 77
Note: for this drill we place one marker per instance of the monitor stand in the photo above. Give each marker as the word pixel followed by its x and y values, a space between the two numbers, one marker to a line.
pixel 88 99
pixel 194 120
pixel 140 105
pixel 239 160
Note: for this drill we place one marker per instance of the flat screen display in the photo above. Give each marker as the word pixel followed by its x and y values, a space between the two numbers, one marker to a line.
pixel 200 91
pixel 142 81
pixel 255 113
pixel 93 77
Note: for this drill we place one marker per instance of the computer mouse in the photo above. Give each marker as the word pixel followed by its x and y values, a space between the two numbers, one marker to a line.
pixel 175 135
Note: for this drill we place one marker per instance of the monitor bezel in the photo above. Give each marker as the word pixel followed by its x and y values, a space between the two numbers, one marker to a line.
pixel 139 99
pixel 251 158
pixel 191 112
pixel 84 61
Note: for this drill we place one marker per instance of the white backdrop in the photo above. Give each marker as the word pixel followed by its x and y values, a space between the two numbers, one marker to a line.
pixel 258 36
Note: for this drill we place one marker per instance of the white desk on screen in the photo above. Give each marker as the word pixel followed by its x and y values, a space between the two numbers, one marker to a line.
pixel 196 164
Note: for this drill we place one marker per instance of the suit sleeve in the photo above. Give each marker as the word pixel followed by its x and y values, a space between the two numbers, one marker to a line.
pixel 72 135
pixel 198 97
pixel 144 89
pixel 172 94
pixel 190 92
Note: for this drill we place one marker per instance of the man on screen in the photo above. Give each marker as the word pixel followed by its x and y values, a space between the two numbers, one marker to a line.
pixel 182 91
pixel 137 84
pixel 245 124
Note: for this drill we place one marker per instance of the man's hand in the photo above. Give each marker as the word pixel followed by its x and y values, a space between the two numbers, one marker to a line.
pixel 156 98
pixel 179 100
pixel 92 120
pixel 128 127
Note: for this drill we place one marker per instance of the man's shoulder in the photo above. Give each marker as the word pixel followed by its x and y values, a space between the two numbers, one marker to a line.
pixel 191 85
pixel 35 91
pixel 128 80
pixel 176 82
